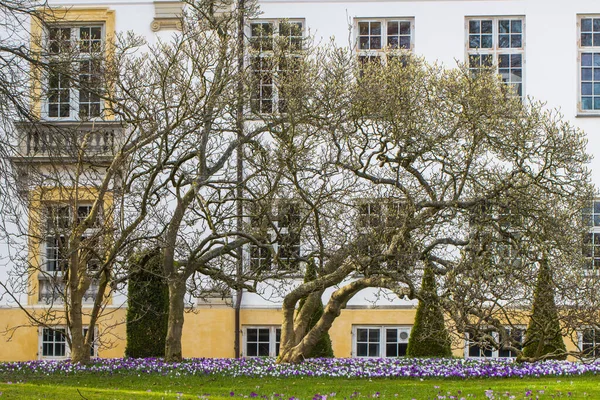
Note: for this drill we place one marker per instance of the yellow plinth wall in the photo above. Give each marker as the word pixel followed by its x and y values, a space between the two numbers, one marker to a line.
pixel 208 332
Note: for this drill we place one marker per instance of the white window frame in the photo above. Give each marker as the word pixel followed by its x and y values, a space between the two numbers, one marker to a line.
pixel 595 344
pixel 591 218
pixel 594 50
pixel 272 339
pixel 82 56
pixel 495 353
pixel 385 51
pixel 401 329
pixel 47 277
pixel 270 54
pixel 267 263
pixel 496 51
pixel 67 354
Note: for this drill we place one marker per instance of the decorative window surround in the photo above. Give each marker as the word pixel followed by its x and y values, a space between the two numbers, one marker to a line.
pixel 167 15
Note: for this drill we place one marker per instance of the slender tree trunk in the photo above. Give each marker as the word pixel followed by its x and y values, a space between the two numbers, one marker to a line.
pixel 173 351
pixel 79 352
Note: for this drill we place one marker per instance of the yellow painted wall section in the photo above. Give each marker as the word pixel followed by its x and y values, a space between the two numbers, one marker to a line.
pixel 23 345
pixel 209 332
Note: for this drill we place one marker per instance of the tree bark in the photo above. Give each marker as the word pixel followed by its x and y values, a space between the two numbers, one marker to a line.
pixel 173 351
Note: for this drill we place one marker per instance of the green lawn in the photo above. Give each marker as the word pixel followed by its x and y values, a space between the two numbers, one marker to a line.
pixel 89 386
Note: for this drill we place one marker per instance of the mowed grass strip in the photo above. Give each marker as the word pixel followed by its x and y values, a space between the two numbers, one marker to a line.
pixel 95 386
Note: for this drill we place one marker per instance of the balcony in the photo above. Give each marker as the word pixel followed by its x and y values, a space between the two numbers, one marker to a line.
pixel 92 142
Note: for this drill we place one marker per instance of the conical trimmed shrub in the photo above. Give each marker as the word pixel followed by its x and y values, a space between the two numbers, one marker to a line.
pixel 543 339
pixel 429 336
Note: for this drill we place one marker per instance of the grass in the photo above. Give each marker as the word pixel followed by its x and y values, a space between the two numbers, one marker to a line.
pixel 127 386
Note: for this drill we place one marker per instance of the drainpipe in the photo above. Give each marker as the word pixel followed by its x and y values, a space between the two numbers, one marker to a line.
pixel 239 169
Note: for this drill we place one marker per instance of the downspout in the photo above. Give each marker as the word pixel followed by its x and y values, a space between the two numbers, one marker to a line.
pixel 239 170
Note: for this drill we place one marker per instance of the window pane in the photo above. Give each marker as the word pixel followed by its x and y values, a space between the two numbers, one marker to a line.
pixel 391 350
pixel 586 24
pixel 363 28
pixel 486 41
pixel 392 28
pixel 486 26
pixel 375 28
pixel 373 335
pixel 252 335
pixel 361 350
pixel 263 349
pixel 516 26
pixel 405 28
pixel 586 39
pixel 373 349
pixel 402 347
pixel 474 26
pixel 263 335
pixel 361 335
pixel 515 41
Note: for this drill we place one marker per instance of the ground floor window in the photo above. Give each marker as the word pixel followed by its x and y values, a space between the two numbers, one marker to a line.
pixel 261 341
pixel 485 344
pixel 380 341
pixel 53 342
pixel 590 342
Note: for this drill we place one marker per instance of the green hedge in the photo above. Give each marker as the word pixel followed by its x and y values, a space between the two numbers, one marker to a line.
pixel 148 306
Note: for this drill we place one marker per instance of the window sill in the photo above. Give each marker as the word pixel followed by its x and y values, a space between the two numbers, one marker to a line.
pixel 586 115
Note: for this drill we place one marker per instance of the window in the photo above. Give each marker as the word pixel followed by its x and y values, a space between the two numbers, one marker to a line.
pixel 53 342
pixel 589 57
pixel 74 81
pixel 590 342
pixel 380 341
pixel 377 218
pixel 284 235
pixel 591 250
pixel 485 344
pixel 57 255
pixel 591 239
pixel 94 346
pixel 275 47
pixel 381 39
pixel 262 341
pixel 498 42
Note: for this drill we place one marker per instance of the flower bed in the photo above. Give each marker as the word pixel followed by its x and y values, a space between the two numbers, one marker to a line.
pixel 335 367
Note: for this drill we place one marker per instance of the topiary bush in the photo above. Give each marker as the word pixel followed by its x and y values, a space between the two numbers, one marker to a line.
pixel 429 336
pixel 147 306
pixel 543 338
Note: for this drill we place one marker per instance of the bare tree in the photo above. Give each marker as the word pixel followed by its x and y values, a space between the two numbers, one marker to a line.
pixel 430 167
